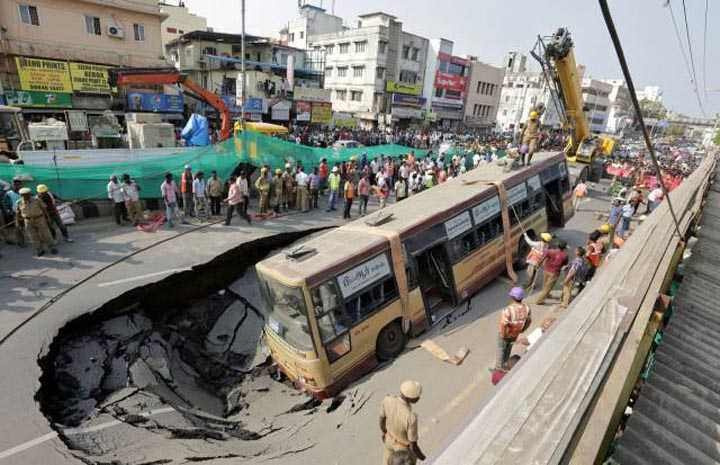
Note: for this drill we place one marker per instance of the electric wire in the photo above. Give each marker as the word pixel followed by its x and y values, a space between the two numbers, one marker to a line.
pixel 633 96
pixel 704 62
pixel 690 65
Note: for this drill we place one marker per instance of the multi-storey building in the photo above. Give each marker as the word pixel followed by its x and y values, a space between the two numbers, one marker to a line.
pixel 652 93
pixel 596 103
pixel 179 20
pixel 55 54
pixel 620 113
pixel 445 85
pixel 482 97
pixel 375 70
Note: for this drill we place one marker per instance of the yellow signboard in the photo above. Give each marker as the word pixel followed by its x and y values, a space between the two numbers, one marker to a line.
pixel 89 78
pixel 321 113
pixel 403 88
pixel 43 75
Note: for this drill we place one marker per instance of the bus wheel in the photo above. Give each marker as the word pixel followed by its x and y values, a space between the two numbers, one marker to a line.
pixel 390 342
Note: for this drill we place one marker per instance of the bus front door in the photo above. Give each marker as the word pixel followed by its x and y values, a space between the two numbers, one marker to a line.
pixel 436 281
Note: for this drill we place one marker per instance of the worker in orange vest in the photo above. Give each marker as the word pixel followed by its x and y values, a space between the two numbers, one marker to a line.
pixel 186 188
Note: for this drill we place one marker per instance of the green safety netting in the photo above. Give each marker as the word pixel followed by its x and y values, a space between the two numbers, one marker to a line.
pixel 89 182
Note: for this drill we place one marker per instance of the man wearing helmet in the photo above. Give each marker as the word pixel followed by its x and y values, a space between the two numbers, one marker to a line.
pixel 530 135
pixel 32 215
pixel 514 319
pixel 54 220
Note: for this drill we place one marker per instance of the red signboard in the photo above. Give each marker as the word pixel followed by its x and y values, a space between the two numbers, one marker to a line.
pixel 452 59
pixel 449 82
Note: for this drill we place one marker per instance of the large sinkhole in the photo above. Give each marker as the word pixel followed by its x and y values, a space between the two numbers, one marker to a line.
pixel 181 358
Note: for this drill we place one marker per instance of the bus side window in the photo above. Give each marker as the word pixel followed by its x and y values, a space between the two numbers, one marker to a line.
pixel 372 299
pixel 461 246
pixel 331 316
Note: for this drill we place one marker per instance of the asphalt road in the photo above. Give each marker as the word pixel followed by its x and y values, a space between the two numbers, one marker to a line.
pixel 348 435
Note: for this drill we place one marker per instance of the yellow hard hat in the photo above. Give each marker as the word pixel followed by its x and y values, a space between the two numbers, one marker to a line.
pixel 605 228
pixel 533 114
pixel 41 188
pixel 411 389
pixel 546 237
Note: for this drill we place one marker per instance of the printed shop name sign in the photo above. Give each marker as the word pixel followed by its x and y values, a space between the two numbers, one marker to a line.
pixel 364 275
pixel 486 210
pixel 89 78
pixel 43 75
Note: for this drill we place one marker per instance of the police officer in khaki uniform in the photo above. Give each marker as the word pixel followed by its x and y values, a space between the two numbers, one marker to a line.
pixel 399 423
pixel 33 216
pixel 277 192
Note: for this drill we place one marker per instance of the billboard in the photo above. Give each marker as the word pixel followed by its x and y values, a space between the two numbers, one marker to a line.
pixel 302 111
pixel 321 113
pixel 34 99
pixel 43 75
pixel 145 101
pixel 403 88
pixel 311 94
pixel 450 82
pixel 89 78
pixel 408 100
pixel 253 105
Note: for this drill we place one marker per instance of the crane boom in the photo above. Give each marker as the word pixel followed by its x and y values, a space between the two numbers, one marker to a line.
pixel 158 76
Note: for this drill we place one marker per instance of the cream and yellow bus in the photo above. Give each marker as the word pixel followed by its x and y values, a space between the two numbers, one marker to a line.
pixel 352 296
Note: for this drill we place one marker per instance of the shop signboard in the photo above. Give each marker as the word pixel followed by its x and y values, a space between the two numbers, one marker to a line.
pixel 302 111
pixel 77 120
pixel 311 94
pixel 449 81
pixel 321 113
pixel 34 99
pixel 92 79
pixel 408 100
pixel 254 105
pixel 231 103
pixel 281 111
pixel 43 75
pixel 406 113
pixel 403 88
pixel 148 101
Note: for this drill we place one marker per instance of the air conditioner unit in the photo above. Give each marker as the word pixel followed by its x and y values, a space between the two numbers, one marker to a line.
pixel 116 32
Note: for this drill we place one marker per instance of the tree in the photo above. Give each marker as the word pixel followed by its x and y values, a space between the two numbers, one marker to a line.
pixel 651 109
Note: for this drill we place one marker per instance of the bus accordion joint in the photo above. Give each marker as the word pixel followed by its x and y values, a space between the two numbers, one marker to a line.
pixel 299 252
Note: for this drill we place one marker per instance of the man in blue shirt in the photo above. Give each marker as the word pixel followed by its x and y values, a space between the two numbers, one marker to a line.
pixel 614 216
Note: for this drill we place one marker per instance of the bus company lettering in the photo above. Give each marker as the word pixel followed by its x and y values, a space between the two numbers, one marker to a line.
pixel 361 276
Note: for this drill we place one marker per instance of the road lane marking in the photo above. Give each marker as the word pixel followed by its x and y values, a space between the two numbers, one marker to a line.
pixel 74 431
pixel 137 278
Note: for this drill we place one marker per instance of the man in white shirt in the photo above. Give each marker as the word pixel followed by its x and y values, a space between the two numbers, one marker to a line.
pixel 654 199
pixel 301 180
pixel 476 160
pixel 114 191
pixel 200 197
pixel 131 194
pixel 244 190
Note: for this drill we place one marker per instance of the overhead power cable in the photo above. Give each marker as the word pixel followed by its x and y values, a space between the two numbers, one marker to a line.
pixel 681 44
pixel 633 96
pixel 704 62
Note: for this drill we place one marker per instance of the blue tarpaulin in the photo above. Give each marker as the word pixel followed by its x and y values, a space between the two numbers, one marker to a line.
pixel 196 132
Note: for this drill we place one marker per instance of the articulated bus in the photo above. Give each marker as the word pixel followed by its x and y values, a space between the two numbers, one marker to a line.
pixel 352 296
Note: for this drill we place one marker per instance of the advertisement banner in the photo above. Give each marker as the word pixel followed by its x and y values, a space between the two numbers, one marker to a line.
pixel 408 100
pixel 89 78
pixel 144 101
pixel 254 105
pixel 449 82
pixel 403 88
pixel 453 59
pixel 311 94
pixel 302 111
pixel 43 75
pixel 281 111
pixel 321 113
pixel 231 103
pixel 21 98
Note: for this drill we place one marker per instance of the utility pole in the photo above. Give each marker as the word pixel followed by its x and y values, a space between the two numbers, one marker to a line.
pixel 242 66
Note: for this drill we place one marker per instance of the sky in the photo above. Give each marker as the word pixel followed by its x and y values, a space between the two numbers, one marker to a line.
pixel 489 29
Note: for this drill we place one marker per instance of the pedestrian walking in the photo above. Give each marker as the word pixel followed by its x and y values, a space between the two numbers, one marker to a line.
pixel 169 192
pixel 186 183
pixel 334 185
pixel 114 191
pixel 131 195
pixel 514 319
pixel 535 257
pixel 215 193
pixel 363 194
pixel 555 260
pixel 243 182
pixel 349 195
pixel 235 200
pixel 575 273
pixel 33 217
pixel 399 424
pixel 54 220
pixel 579 193
pixel 200 198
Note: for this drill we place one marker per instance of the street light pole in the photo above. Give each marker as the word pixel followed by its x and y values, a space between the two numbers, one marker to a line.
pixel 242 65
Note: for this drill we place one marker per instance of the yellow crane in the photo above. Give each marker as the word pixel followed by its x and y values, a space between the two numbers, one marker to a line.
pixel 557 59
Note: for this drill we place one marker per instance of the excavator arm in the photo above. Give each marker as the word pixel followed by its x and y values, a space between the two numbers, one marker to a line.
pixel 158 76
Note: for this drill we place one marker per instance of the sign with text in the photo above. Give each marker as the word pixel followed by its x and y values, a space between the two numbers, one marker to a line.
pixel 254 105
pixel 311 94
pixel 534 183
pixel 409 100
pixel 458 225
pixel 486 210
pixel 517 194
pixel 22 98
pixel 43 75
pixel 449 81
pixel 89 78
pixel 403 88
pixel 321 113
pixel 302 111
pixel 364 275
pixel 145 101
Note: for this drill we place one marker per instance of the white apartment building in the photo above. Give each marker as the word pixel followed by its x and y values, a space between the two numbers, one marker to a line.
pixel 482 97
pixel 652 93
pixel 596 102
pixel 620 106
pixel 312 21
pixel 369 66
pixel 179 20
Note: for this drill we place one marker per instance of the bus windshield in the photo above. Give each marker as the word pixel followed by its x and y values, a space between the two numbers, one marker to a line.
pixel 286 313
